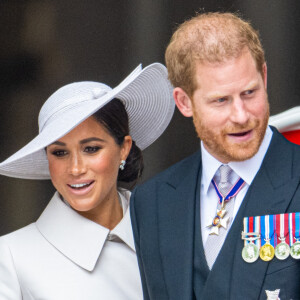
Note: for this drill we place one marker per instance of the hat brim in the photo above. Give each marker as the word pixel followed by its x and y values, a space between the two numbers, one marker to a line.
pixel 147 96
pixel 288 120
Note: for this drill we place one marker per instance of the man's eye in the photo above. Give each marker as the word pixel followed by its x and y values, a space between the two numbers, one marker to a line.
pixel 59 153
pixel 91 149
pixel 221 100
pixel 249 92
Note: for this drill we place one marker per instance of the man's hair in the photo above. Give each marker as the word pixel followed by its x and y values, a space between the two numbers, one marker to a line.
pixel 209 38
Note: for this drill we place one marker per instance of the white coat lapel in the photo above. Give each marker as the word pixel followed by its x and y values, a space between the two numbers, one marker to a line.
pixel 76 237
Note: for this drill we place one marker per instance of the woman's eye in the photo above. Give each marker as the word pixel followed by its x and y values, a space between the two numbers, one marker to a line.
pixel 59 153
pixel 91 149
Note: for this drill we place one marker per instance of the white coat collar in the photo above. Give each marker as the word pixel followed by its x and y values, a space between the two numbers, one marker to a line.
pixel 78 238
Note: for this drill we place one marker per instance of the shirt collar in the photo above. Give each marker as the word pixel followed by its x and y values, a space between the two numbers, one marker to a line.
pixel 245 169
pixel 124 230
pixel 78 238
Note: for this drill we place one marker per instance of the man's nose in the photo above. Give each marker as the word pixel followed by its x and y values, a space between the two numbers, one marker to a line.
pixel 239 113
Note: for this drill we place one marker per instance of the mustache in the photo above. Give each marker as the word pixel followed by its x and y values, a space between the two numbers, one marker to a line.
pixel 238 128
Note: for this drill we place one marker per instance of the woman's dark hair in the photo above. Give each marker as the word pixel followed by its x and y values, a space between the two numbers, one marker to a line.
pixel 114 118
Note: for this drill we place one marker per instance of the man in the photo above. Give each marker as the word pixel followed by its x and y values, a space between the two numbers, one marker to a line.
pixel 188 238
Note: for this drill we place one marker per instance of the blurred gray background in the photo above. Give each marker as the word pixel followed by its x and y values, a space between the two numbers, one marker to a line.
pixel 46 44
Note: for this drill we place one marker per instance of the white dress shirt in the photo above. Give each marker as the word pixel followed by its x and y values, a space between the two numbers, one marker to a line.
pixel 64 256
pixel 245 169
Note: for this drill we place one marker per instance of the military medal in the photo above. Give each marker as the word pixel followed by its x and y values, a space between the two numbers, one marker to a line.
pixel 295 224
pixel 267 251
pixel 218 220
pixel 250 252
pixel 282 250
pixel 295 250
pixel 281 231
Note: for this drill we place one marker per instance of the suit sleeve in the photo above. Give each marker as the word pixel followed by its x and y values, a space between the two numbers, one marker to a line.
pixel 137 245
pixel 9 283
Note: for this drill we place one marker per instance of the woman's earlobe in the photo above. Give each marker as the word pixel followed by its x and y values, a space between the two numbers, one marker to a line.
pixel 183 102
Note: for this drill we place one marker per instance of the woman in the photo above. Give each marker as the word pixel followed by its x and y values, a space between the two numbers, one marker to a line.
pixel 89 139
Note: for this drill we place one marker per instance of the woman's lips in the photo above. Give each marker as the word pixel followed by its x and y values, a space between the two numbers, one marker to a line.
pixel 81 188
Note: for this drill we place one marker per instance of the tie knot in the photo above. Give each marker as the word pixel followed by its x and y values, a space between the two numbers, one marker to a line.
pixel 224 184
pixel 225 172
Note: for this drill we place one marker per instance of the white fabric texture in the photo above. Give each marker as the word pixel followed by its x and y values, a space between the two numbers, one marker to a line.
pixel 66 256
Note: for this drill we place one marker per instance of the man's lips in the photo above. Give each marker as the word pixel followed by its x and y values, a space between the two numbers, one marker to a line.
pixel 240 134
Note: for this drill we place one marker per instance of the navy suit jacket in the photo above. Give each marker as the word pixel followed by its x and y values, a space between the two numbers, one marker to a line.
pixel 163 210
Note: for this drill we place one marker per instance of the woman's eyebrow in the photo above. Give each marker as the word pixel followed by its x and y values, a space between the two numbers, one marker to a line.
pixel 58 143
pixel 91 139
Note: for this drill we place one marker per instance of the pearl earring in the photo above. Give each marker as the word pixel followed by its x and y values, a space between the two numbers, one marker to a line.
pixel 122 165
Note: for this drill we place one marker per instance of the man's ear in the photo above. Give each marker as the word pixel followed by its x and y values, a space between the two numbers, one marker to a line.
pixel 265 74
pixel 183 102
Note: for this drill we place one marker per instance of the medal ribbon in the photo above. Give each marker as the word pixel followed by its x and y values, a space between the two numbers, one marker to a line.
pixel 297 226
pixel 291 228
pixel 267 229
pixel 257 229
pixel 271 227
pixel 232 193
pixel 281 227
pixel 246 229
pixel 252 224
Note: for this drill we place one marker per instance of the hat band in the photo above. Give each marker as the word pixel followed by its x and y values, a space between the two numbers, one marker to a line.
pixel 67 104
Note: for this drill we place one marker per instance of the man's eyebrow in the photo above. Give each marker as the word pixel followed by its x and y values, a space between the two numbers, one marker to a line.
pixel 252 85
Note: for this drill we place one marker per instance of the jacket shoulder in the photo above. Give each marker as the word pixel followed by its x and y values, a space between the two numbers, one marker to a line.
pixel 21 238
pixel 174 171
pixel 283 155
pixel 173 175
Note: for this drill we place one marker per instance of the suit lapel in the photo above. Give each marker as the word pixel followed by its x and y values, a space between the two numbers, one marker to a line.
pixel 177 206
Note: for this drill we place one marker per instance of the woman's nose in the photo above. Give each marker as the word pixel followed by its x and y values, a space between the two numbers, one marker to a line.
pixel 77 165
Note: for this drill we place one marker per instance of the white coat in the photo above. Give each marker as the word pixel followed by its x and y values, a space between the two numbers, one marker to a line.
pixel 64 256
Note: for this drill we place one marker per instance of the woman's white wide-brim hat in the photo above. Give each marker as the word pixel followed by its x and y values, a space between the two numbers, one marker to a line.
pixel 146 94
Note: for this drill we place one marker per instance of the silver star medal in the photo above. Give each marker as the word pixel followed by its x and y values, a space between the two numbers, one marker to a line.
pixel 273 295
pixel 218 221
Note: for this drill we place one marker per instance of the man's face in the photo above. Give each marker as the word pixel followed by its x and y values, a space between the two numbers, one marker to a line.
pixel 230 108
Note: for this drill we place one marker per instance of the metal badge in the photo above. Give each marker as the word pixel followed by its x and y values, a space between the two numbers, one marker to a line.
pixel 267 252
pixel 295 250
pixel 282 250
pixel 218 222
pixel 250 253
